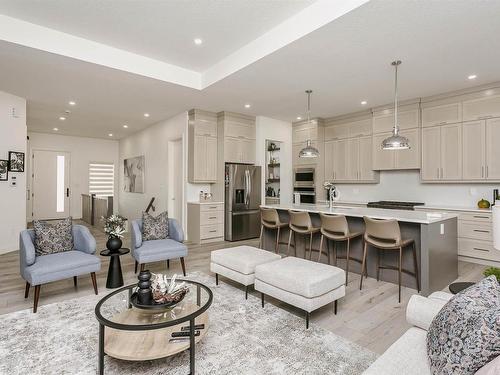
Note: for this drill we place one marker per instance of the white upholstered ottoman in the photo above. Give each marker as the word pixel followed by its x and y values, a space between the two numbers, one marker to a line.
pixel 238 263
pixel 302 283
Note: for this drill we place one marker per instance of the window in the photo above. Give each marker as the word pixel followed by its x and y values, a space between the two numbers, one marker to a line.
pixel 102 179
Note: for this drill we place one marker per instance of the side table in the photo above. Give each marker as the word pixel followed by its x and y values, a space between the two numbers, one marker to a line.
pixel 115 276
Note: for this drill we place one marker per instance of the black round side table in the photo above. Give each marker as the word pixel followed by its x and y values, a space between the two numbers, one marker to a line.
pixel 458 287
pixel 115 276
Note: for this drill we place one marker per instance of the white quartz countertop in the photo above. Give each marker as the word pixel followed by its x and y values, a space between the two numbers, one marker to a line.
pixel 439 207
pixel 418 217
pixel 202 203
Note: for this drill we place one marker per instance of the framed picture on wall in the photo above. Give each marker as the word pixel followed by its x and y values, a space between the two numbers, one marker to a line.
pixel 133 172
pixel 16 161
pixel 4 170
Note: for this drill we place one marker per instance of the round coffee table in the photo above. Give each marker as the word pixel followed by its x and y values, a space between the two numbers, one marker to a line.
pixel 115 275
pixel 133 334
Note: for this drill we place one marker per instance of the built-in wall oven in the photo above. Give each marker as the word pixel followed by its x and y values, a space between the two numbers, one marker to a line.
pixel 303 184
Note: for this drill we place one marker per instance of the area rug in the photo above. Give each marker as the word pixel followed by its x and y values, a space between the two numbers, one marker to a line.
pixel 243 338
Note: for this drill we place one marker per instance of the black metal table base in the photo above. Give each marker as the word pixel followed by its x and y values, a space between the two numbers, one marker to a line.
pixel 115 275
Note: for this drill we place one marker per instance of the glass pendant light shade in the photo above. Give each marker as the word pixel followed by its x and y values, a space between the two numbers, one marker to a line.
pixel 396 141
pixel 309 151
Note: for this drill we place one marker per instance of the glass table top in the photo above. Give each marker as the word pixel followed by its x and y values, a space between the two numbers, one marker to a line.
pixel 116 311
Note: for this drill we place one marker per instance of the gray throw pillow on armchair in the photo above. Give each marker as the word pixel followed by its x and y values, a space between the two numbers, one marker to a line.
pixel 154 228
pixel 465 334
pixel 53 238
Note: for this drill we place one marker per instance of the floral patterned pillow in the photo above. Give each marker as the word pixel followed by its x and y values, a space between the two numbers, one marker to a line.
pixel 154 228
pixel 53 238
pixel 465 334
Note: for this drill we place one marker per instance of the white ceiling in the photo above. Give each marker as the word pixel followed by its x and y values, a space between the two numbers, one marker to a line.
pixel 344 62
pixel 162 30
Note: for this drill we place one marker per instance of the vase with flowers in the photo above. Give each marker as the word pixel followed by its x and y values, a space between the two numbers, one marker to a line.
pixel 114 227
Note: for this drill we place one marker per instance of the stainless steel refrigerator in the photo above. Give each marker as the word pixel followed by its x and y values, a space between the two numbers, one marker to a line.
pixel 242 201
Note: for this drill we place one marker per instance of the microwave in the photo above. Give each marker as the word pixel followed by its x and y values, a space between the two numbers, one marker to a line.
pixel 303 177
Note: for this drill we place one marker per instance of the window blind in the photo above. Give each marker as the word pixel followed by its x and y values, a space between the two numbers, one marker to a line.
pixel 102 179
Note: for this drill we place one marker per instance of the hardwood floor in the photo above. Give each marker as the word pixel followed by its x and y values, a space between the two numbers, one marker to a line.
pixel 373 318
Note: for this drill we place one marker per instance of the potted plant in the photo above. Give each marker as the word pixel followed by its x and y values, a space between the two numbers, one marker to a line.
pixel 492 271
pixel 114 227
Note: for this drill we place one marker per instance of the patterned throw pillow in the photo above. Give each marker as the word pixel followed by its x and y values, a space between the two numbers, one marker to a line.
pixel 465 334
pixel 154 228
pixel 53 238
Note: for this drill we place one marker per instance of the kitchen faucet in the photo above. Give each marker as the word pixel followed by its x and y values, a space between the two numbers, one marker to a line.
pixel 332 193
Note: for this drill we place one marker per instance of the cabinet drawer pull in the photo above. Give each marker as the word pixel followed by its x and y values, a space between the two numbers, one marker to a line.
pixel 213 217
pixel 213 231
pixel 482 231
pixel 213 207
pixel 443 122
pixel 478 248
pixel 480 217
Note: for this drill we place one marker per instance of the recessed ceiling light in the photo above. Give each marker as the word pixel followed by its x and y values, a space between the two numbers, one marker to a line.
pixel 146 115
pixel 472 76
pixel 299 118
pixel 110 134
pixel 62 118
pixel 364 102
pixel 125 126
pixel 71 102
pixel 198 41
pixel 55 129
pixel 247 105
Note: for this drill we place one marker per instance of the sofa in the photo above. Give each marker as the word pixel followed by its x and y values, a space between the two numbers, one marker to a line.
pixel 408 355
pixel 38 270
pixel 158 250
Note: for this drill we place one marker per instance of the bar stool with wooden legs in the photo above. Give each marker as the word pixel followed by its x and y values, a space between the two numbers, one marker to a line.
pixel 300 223
pixel 386 235
pixel 336 229
pixel 270 219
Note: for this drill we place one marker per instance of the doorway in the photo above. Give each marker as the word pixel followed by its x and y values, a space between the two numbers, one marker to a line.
pixel 50 184
pixel 175 180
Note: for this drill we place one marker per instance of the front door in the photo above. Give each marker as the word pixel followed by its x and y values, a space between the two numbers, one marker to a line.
pixel 50 184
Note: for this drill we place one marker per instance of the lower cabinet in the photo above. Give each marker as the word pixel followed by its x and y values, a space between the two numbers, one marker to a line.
pixel 205 222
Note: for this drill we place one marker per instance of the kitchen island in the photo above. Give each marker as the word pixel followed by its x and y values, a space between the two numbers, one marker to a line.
pixel 435 236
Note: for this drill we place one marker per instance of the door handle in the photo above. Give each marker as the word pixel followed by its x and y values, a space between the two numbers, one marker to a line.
pixel 67 192
pixel 487 172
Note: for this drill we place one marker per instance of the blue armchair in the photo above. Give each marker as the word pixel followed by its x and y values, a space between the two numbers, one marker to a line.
pixel 38 270
pixel 158 250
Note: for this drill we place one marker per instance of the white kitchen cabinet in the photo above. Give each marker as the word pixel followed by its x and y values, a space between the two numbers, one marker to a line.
pixel 408 159
pixel 493 149
pixel 473 154
pixel 336 132
pixel 360 128
pixel 353 159
pixel 366 172
pixel 202 147
pixel 451 152
pixel 382 159
pixel 481 108
pixel 236 129
pixel 304 132
pixel 340 160
pixel 239 150
pixel 329 160
pixel 384 121
pixel 247 150
pixel 442 153
pixel 442 114
pixel 431 154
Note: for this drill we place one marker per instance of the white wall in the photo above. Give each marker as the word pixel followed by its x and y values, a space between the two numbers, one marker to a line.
pixel 276 130
pixel 406 186
pixel 152 142
pixel 83 151
pixel 12 199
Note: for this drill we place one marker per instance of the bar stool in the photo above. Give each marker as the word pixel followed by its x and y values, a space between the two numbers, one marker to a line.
pixel 386 235
pixel 300 223
pixel 270 219
pixel 336 229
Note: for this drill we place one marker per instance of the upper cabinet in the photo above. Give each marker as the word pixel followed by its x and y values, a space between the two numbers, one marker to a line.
pixel 384 160
pixel 408 118
pixel 441 114
pixel 481 108
pixel 238 134
pixel 202 147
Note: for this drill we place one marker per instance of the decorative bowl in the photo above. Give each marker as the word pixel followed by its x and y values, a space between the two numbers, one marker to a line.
pixel 166 302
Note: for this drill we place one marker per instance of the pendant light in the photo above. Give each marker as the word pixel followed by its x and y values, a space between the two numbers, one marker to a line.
pixel 396 141
pixel 309 151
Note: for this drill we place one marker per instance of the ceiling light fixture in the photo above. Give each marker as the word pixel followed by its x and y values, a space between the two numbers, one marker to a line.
pixel 62 118
pixel 472 76
pixel 364 102
pixel 396 141
pixel 125 126
pixel 55 129
pixel 309 151
pixel 110 134
pixel 247 105
pixel 299 118
pixel 146 115
pixel 198 41
pixel 71 102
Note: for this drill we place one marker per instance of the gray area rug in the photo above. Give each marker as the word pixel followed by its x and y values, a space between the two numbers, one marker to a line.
pixel 243 338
